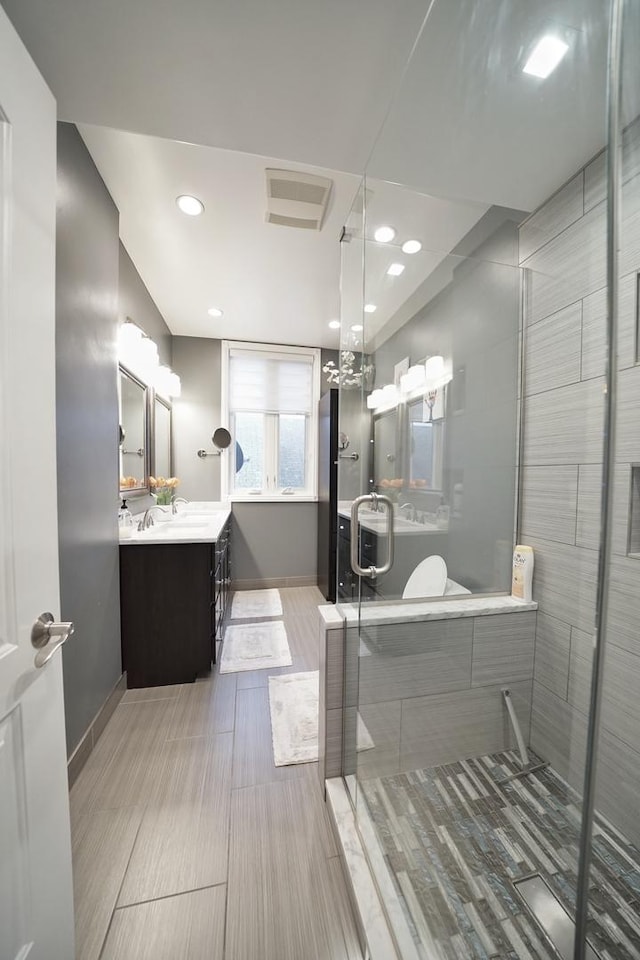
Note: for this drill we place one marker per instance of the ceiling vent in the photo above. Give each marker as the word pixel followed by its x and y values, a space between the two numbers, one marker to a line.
pixel 297 199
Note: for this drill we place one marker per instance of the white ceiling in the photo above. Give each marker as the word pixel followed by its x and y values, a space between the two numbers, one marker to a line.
pixel 278 284
pixel 251 84
pixel 305 80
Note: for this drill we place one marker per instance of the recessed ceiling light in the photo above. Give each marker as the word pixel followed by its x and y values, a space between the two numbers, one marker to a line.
pixel 215 312
pixel 370 308
pixel 395 269
pixel 545 56
pixel 334 324
pixel 357 327
pixel 190 205
pixel 411 246
pixel 384 234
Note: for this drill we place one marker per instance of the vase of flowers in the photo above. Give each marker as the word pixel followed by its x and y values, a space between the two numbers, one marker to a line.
pixel 164 489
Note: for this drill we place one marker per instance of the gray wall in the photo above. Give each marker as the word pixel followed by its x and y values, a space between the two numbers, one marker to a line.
pixel 274 541
pixel 87 424
pixel 563 245
pixel 271 541
pixel 196 414
pixel 135 302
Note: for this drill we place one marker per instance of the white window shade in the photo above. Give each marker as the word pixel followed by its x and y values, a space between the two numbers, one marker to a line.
pixel 270 384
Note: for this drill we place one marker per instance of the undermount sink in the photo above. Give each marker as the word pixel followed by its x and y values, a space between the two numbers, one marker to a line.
pixel 190 524
pixel 163 531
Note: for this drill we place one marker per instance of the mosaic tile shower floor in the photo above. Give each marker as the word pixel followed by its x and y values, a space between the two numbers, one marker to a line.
pixel 455 839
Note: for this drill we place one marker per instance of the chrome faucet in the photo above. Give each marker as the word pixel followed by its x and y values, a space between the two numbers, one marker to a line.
pixel 175 500
pixel 147 520
pixel 413 513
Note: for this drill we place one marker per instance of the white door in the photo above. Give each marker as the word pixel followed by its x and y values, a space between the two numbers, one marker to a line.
pixel 36 902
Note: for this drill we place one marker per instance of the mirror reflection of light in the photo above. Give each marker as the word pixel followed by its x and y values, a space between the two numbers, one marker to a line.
pixel 545 56
pixel 384 234
pixel 395 269
pixel 370 308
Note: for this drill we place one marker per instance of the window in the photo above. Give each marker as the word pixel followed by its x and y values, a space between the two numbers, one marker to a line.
pixel 271 397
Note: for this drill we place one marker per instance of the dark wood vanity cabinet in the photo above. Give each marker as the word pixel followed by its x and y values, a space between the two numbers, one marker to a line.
pixel 173 603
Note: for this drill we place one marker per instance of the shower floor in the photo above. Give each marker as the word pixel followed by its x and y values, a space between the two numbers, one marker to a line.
pixel 454 840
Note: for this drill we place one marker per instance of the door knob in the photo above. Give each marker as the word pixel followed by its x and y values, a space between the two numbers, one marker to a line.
pixel 47 636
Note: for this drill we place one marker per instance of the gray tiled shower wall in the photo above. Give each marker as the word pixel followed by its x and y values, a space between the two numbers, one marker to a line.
pixel 405 678
pixel 563 248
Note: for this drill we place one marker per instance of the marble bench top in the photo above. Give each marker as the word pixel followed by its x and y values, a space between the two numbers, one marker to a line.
pixel 405 611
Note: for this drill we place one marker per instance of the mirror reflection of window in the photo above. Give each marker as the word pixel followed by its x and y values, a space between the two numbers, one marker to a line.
pixel 425 448
pixel 133 452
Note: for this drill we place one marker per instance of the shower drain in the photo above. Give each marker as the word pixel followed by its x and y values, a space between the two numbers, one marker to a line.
pixel 551 916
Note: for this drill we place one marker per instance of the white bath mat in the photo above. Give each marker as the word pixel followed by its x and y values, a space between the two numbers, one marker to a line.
pixel 255 646
pixel 248 604
pixel 293 705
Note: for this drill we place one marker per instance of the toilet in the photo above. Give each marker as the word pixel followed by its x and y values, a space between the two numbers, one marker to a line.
pixel 429 579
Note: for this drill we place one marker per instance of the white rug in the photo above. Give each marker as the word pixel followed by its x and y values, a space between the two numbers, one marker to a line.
pixel 293 705
pixel 255 646
pixel 248 604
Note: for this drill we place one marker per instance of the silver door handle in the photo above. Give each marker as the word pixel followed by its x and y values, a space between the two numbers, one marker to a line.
pixel 374 499
pixel 47 636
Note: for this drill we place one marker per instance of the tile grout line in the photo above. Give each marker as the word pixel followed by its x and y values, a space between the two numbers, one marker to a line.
pixel 171 896
pixel 117 897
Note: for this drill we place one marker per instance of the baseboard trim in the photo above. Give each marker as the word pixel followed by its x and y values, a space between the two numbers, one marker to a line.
pixel 274 582
pixel 82 752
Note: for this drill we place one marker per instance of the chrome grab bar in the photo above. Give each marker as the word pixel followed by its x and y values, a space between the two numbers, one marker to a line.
pixel 375 499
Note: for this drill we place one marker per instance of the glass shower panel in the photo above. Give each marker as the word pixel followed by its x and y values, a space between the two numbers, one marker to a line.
pixel 488 301
pixel 443 345
pixel 615 834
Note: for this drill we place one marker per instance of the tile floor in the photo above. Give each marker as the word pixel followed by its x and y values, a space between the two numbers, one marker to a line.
pixel 189 844
pixel 455 839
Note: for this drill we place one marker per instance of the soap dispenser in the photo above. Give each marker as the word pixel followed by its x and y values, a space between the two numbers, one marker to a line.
pixel 125 521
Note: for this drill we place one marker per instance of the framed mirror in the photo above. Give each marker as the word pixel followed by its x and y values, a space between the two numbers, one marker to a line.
pixel 161 438
pixel 133 433
pixel 386 461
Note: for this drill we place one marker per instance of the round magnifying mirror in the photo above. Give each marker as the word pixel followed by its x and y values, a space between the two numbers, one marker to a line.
pixel 221 438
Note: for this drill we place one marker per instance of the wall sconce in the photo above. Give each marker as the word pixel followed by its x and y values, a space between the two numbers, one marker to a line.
pixel 221 439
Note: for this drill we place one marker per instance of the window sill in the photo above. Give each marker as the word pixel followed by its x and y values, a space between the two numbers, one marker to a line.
pixel 272 498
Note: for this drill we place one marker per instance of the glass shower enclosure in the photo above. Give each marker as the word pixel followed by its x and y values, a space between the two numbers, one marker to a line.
pixel 490 269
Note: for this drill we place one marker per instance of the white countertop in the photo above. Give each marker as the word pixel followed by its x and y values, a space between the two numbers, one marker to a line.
pixel 376 522
pixel 406 611
pixel 196 522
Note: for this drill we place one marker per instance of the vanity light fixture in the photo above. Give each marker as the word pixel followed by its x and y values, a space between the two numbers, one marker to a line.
pixel 215 312
pixel 166 382
pixel 411 246
pixel 434 369
pixel 335 324
pixel 414 379
pixel 374 399
pixel 395 270
pixel 384 234
pixel 190 205
pixel 370 308
pixel 139 354
pixel 545 56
